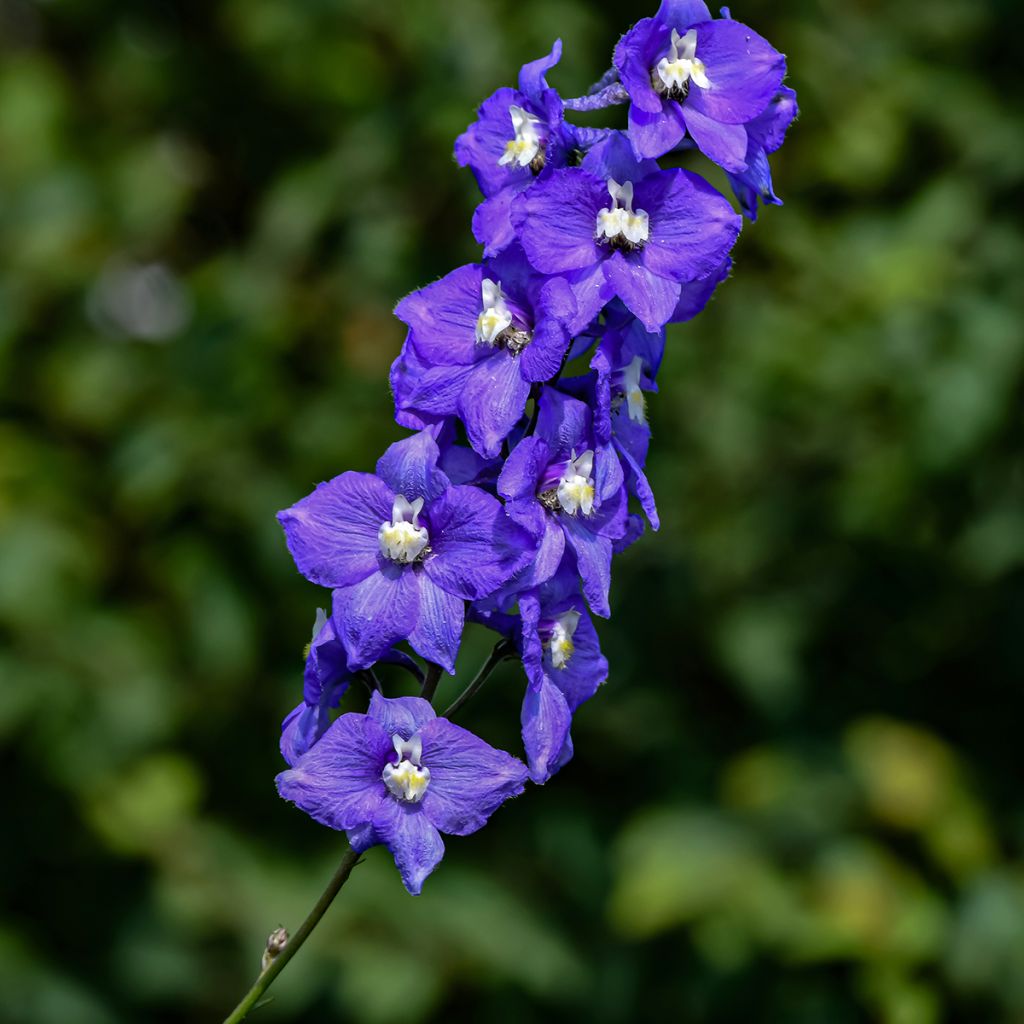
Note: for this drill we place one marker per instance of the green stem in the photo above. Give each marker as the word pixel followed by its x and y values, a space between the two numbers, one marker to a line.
pixel 502 650
pixel 430 683
pixel 292 946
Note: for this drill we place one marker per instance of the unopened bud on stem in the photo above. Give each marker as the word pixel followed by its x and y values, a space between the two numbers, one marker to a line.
pixel 276 941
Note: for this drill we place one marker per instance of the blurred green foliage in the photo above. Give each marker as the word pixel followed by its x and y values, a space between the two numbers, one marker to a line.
pixel 798 798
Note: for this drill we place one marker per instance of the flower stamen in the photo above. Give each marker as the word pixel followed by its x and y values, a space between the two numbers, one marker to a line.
pixel 619 225
pixel 407 779
pixel 526 149
pixel 674 72
pixel 494 325
pixel 402 539
pixel 575 491
pixel 560 644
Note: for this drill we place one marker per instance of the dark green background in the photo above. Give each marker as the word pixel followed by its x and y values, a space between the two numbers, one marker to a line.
pixel 797 800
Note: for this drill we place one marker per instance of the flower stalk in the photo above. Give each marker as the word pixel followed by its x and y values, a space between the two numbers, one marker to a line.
pixel 518 483
pixel 274 965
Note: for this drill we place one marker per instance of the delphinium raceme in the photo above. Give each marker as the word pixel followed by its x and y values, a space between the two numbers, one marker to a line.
pixel 513 491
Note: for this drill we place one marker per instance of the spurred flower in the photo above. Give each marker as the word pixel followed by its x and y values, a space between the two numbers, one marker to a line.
pixel 625 363
pixel 403 550
pixel 478 340
pixel 325 681
pixel 641 238
pixel 564 667
pixel 687 74
pixel 765 134
pixel 567 490
pixel 518 136
pixel 401 776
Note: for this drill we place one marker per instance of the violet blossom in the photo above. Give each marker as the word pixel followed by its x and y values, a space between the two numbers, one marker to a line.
pixel 403 550
pixel 401 776
pixel 687 74
pixel 479 339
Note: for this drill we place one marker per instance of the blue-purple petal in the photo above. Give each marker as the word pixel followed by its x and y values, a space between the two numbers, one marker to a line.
pixel 469 779
pixel 338 780
pixel 413 841
pixel 594 558
pixel 695 295
pixel 681 14
pixel 481 146
pixel 442 317
pixel 532 81
pixel 546 720
pixel 372 616
pixel 744 69
pixel 439 626
pixel 555 220
pixel 332 533
pixel 492 220
pixel 524 468
pixel 651 298
pixel 725 144
pixel 613 157
pixel 693 227
pixel 635 56
pixel 492 401
pixel 655 134
pixel 476 548
pixel 565 423
pixel 404 716
pixel 591 291
pixel 409 467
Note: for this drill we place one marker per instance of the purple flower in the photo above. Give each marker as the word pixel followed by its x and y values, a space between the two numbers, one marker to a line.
pixel 688 74
pixel 563 486
pixel 564 667
pixel 641 238
pixel 403 550
pixel 478 340
pixel 765 134
pixel 613 159
pixel 325 680
pixel 519 134
pixel 401 776
pixel 626 362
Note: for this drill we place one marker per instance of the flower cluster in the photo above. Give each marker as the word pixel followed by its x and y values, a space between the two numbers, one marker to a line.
pixel 507 502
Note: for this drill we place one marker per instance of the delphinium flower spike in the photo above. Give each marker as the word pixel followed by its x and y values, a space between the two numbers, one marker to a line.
pixel 525 379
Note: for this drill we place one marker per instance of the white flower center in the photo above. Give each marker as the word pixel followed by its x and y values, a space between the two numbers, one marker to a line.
pixel 681 66
pixel 576 488
pixel 619 223
pixel 527 144
pixel 560 646
pixel 635 404
pixel 495 317
pixel 403 539
pixel 407 779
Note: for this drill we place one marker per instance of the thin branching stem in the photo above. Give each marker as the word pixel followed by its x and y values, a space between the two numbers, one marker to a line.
pixel 430 683
pixel 292 946
pixel 502 650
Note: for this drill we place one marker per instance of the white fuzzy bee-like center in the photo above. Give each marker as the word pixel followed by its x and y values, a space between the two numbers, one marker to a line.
pixel 576 487
pixel 527 145
pixel 402 539
pixel 407 779
pixel 561 646
pixel 619 224
pixel 681 66
pixel 636 406
pixel 495 317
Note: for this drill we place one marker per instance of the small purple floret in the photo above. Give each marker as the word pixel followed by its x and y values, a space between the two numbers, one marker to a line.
pixel 401 776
